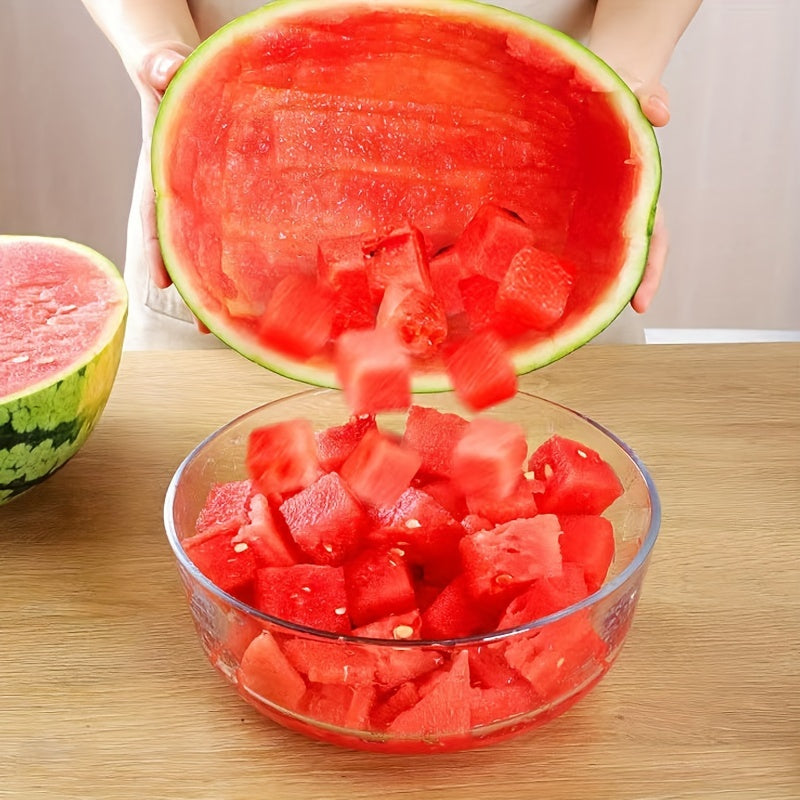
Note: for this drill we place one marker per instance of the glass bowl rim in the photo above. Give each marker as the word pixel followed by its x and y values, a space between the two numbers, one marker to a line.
pixel 607 589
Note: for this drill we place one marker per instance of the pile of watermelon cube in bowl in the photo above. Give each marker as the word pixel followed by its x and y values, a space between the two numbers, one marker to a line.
pixel 419 581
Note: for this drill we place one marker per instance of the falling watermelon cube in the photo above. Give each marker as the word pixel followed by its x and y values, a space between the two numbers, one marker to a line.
pixel 374 370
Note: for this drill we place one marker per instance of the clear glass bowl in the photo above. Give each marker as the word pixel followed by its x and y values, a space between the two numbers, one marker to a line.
pixel 334 711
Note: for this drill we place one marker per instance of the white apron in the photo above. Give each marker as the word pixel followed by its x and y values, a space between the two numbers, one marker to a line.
pixel 158 318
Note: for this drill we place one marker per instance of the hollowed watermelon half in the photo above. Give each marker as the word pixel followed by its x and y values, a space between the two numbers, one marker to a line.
pixel 304 122
pixel 63 308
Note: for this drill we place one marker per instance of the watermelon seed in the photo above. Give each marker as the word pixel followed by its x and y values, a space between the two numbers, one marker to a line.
pixel 66 309
pixel 548 471
pixel 582 454
pixel 403 632
pixel 560 662
pixel 340 612
pixel 396 551
pixel 19 359
pixel 413 523
pixel 46 360
pixel 305 588
pixel 240 547
pixel 328 548
pixel 503 579
pixel 529 476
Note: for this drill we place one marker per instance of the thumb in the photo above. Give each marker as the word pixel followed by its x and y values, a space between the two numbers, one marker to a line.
pixel 655 104
pixel 159 67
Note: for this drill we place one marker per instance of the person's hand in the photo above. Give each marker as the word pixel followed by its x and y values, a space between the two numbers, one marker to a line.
pixel 152 78
pixel 654 102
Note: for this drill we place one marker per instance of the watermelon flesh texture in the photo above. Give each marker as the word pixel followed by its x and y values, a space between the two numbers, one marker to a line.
pixel 299 124
pixel 62 320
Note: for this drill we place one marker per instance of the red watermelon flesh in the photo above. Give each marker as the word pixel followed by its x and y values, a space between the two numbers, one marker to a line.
pixel 326 520
pixel 226 509
pixel 576 478
pixel 481 371
pixel 406 572
pixel 535 289
pixel 380 469
pixel 434 435
pixel 488 459
pixel 307 124
pixel 374 370
pixel 335 444
pixel 57 305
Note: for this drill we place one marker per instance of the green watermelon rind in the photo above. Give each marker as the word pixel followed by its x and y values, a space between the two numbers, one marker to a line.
pixel 638 223
pixel 45 424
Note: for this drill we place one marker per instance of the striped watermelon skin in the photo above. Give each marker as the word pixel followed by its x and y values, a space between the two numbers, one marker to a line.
pixel 44 425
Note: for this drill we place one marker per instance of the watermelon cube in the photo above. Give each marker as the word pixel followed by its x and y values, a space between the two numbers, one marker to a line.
pixel 562 655
pixel 444 705
pixel 489 458
pixel 434 435
pixel 266 674
pixel 481 371
pixel 398 258
pixel 225 509
pixel 380 469
pixel 478 296
pixel 340 259
pixel 521 503
pixel 397 665
pixel 298 318
pixel 416 316
pixel 577 480
pixel 446 270
pixel 425 532
pixel 447 494
pixel 392 703
pixel 326 520
pixel 334 444
pixel 341 265
pixel 545 596
pixel 374 370
pixel 503 561
pixel 455 613
pixel 313 595
pixel 231 567
pixel 342 705
pixel 331 661
pixel 282 457
pixel 378 585
pixel 535 289
pixel 588 541
pixel 491 239
pixel 266 534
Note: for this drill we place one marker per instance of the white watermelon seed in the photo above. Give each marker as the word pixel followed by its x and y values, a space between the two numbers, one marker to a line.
pixel 403 632
pixel 240 547
pixel 19 359
pixel 340 612
pixel 413 523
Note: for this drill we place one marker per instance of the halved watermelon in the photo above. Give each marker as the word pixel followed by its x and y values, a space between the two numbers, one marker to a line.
pixel 63 308
pixel 307 122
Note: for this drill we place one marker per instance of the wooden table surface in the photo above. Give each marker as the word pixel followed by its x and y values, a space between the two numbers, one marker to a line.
pixel 105 692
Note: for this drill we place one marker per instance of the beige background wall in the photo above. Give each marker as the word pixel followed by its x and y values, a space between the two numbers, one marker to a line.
pixel 69 140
